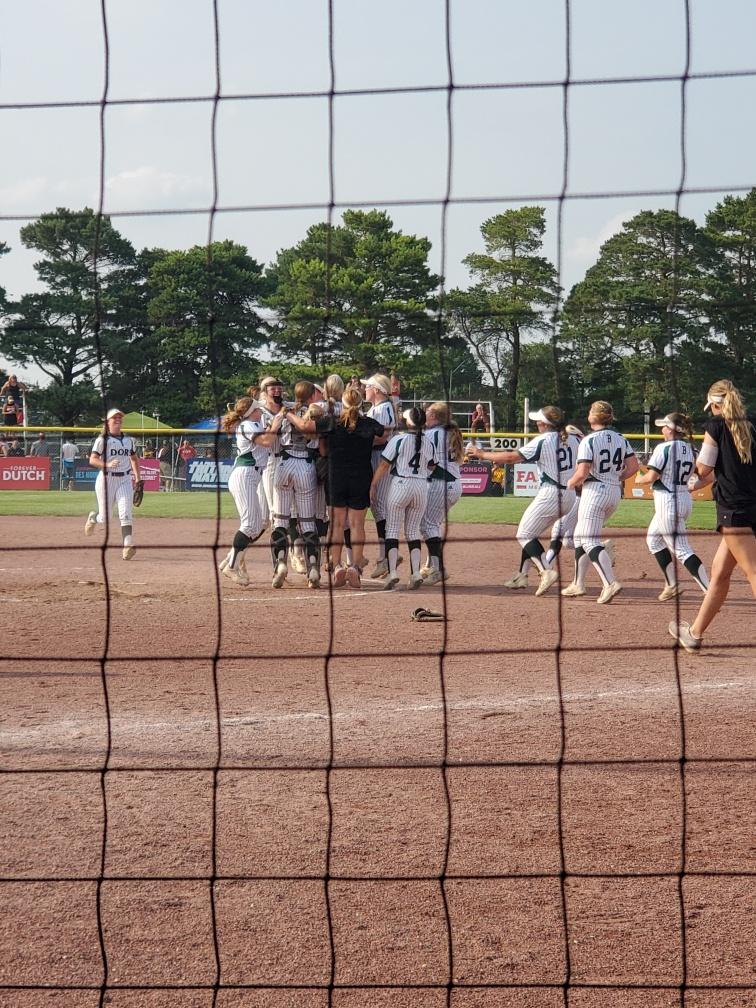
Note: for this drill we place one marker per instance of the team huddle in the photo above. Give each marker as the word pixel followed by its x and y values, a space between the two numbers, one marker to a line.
pixel 309 469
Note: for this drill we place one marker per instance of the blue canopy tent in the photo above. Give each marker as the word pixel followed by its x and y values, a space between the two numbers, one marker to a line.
pixel 209 424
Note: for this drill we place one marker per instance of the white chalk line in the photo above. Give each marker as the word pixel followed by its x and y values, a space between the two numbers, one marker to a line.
pixel 502 706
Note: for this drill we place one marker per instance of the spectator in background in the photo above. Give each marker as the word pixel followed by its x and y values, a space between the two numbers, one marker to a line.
pixel 479 420
pixel 186 453
pixel 9 412
pixel 68 455
pixel 16 449
pixel 40 448
pixel 164 458
pixel 15 388
pixel 3 448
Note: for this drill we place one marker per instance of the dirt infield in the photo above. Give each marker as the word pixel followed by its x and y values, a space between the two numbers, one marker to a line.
pixel 491 811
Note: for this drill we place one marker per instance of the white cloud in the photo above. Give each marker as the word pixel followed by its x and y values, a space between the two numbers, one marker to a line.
pixel 25 194
pixel 147 187
pixel 586 248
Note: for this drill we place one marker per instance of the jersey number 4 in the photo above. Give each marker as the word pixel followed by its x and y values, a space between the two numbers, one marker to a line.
pixel 607 461
pixel 414 463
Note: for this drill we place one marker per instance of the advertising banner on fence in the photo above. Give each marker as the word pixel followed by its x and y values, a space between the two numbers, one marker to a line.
pixel 645 492
pixel 475 477
pixel 526 479
pixel 24 473
pixel 85 474
pixel 207 474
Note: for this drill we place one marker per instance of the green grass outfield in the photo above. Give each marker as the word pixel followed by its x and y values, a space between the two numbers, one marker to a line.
pixel 487 510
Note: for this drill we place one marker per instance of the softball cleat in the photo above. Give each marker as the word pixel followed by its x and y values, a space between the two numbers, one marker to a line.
pixel 353 577
pixel 380 570
pixel 434 577
pixel 609 592
pixel 547 579
pixel 390 582
pixel 415 581
pixel 90 524
pixel 128 552
pixel 573 590
pixel 280 575
pixel 671 591
pixel 313 578
pixel 339 577
pixel 298 563
pixel 520 580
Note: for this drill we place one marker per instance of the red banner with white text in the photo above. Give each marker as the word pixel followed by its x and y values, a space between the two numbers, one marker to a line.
pixel 24 473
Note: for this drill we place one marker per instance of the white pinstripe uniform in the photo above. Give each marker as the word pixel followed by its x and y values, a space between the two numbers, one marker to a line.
pixel 246 475
pixel 265 490
pixel 444 487
pixel 383 413
pixel 607 451
pixel 674 462
pixel 556 463
pixel 115 488
pixel 294 478
pixel 408 483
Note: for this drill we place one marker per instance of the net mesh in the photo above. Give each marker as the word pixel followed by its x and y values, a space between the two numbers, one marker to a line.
pixel 432 904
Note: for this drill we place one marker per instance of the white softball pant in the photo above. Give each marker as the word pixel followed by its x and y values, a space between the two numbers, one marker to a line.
pixel 112 490
pixel 549 505
pixel 407 498
pixel 564 528
pixel 295 482
pixel 598 501
pixel 243 485
pixel 668 526
pixel 379 505
pixel 442 497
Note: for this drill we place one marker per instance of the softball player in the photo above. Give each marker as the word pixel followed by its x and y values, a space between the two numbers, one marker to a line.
pixel 605 459
pixel 671 465
pixel 409 457
pixel 114 454
pixel 555 451
pixel 271 398
pixel 444 487
pixel 253 448
pixel 295 481
pixel 383 411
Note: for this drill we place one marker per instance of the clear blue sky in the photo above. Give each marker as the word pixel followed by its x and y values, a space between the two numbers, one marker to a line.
pixel 505 143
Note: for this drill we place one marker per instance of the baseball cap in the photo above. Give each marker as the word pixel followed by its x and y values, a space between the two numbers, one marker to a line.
pixel 666 421
pixel 114 412
pixel 714 399
pixel 380 381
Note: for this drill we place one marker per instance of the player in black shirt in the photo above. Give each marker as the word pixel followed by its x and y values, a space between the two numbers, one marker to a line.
pixel 729 453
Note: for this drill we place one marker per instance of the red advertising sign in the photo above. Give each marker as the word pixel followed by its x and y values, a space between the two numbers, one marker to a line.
pixel 24 473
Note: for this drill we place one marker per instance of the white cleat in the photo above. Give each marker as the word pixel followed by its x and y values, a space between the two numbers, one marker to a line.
pixel 415 581
pixel 380 570
pixel 280 574
pixel 339 577
pixel 128 552
pixel 313 578
pixel 573 590
pixel 241 570
pixel 426 569
pixel 520 580
pixel 90 524
pixel 353 577
pixel 609 592
pixel 671 591
pixel 390 582
pixel 547 579
pixel 298 563
pixel 434 577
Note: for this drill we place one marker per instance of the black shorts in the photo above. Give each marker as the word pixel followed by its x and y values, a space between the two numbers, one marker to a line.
pixel 349 490
pixel 738 518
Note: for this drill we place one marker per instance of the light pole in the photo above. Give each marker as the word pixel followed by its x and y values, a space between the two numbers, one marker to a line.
pixel 451 375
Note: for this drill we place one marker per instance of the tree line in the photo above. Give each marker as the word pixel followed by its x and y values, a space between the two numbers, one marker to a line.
pixel 667 307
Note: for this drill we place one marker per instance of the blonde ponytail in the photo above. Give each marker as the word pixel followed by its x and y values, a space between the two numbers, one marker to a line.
pixel 455 444
pixel 734 415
